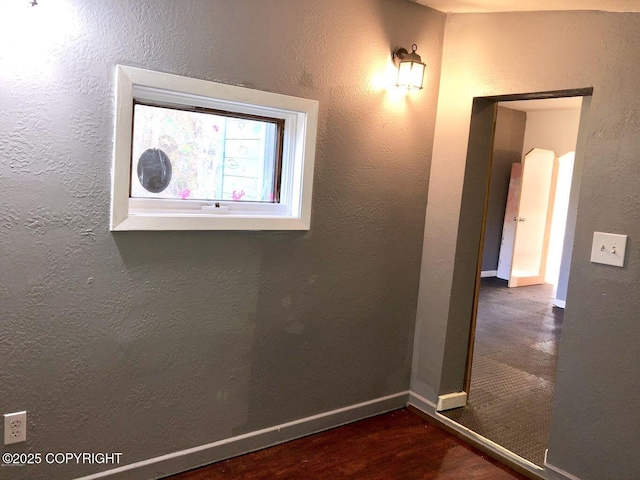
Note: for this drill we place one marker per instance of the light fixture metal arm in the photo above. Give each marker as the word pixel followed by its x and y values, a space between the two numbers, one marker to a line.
pixel 401 54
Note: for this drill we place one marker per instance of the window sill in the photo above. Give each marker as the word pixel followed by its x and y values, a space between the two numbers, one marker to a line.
pixel 184 221
pixel 148 214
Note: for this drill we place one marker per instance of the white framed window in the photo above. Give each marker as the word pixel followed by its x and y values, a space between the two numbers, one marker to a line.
pixel 192 154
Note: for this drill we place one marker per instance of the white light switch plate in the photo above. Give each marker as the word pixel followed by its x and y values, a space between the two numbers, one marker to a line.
pixel 608 248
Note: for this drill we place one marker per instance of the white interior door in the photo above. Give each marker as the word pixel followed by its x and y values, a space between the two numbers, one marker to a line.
pixel 559 221
pixel 509 225
pixel 533 220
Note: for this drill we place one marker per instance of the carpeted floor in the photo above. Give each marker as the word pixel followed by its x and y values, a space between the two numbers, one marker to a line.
pixel 514 367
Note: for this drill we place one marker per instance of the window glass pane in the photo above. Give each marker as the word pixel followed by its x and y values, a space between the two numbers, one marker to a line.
pixel 202 156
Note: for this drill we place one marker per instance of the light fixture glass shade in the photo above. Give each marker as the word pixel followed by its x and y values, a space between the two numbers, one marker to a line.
pixel 410 68
pixel 410 75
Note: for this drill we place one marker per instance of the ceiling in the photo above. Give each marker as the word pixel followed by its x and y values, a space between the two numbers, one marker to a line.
pixel 477 6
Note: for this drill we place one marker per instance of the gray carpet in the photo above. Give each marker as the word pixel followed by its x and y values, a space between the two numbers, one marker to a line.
pixel 514 367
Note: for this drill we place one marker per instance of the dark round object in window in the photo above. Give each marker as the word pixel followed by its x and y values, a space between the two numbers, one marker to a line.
pixel 154 170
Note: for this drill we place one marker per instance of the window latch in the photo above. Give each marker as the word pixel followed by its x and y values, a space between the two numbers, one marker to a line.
pixel 215 208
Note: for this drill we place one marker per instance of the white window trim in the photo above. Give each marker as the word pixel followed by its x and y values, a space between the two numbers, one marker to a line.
pixel 301 120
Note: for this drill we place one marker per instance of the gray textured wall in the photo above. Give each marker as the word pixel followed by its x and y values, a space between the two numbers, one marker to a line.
pixel 507 150
pixel 149 343
pixel 596 417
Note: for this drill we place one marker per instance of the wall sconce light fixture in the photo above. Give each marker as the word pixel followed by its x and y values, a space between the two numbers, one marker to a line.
pixel 410 68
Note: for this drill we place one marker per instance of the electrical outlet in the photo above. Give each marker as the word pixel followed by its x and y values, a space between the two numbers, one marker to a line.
pixel 15 427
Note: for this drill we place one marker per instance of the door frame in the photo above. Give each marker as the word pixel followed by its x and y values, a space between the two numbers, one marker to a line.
pixel 473 215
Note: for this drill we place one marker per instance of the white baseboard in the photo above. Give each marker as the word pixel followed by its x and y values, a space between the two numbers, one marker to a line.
pixel 421 403
pixel 559 303
pixel 555 473
pixel 183 460
pixel 451 400
pixel 488 273
pixel 428 408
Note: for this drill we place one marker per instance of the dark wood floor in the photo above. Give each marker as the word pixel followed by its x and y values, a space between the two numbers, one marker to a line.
pixel 396 445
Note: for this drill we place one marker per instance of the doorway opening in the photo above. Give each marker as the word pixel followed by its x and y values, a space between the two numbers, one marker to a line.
pixel 530 193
